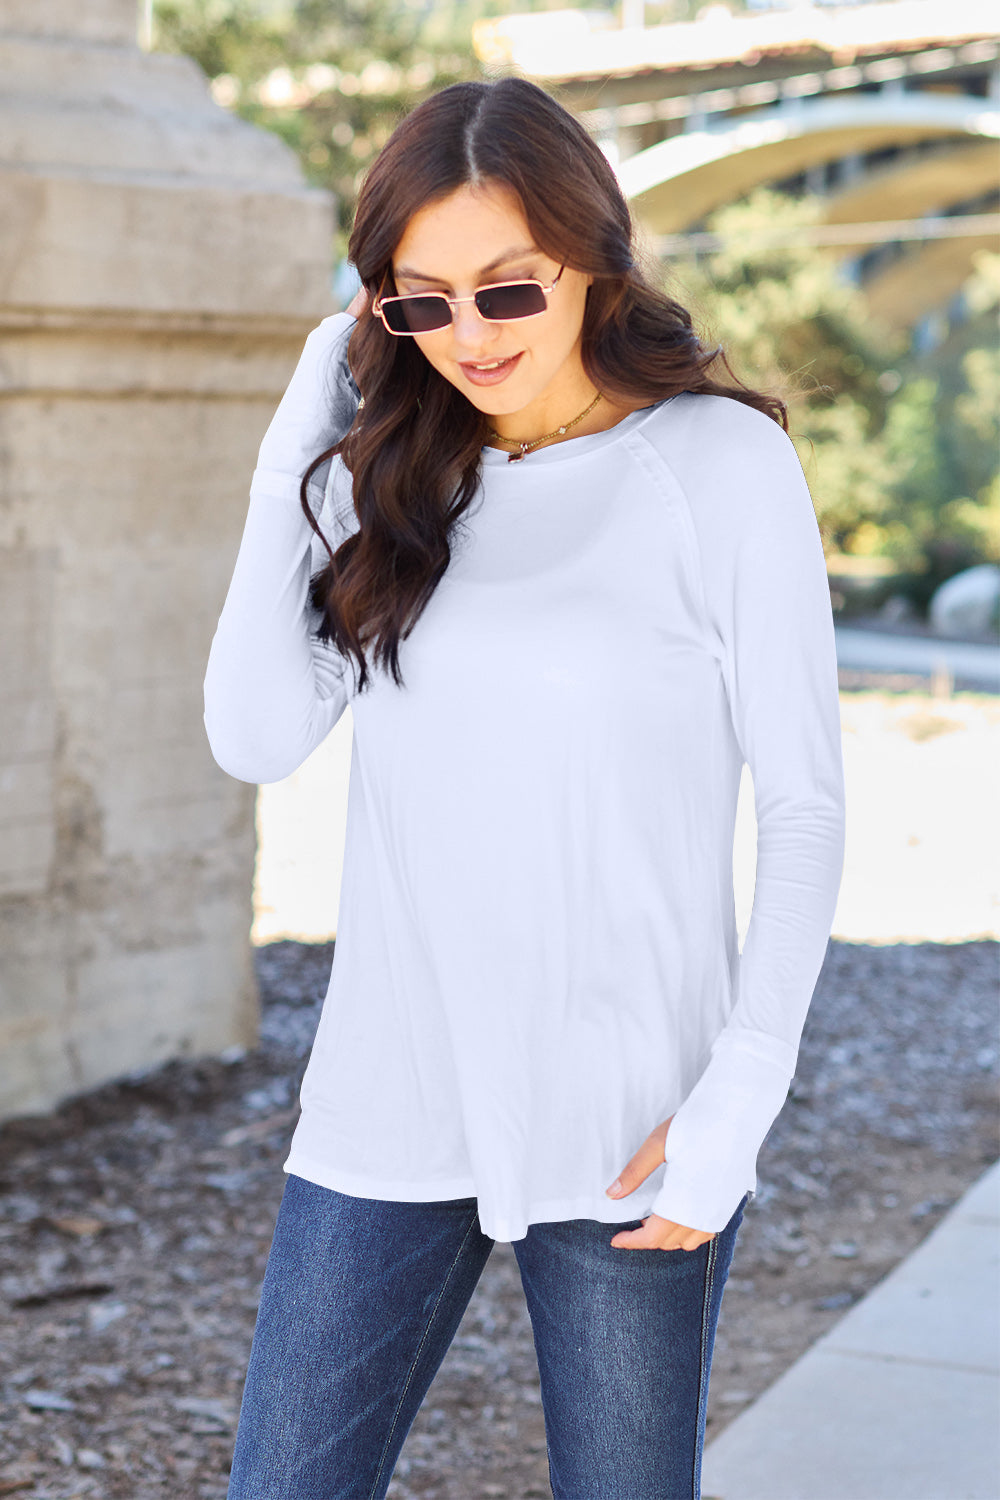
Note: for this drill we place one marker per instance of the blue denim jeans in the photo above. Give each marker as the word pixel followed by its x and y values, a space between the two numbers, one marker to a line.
pixel 362 1298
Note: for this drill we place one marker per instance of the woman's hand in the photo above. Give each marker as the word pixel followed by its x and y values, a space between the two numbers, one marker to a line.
pixel 656 1233
pixel 359 302
pixel 317 409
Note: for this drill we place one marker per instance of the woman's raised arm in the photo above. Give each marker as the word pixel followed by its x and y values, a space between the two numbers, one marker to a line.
pixel 272 690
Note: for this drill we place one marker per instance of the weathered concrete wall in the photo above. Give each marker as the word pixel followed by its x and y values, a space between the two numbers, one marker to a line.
pixel 160 265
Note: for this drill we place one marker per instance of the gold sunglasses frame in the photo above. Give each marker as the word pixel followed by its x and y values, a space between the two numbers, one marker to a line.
pixel 454 302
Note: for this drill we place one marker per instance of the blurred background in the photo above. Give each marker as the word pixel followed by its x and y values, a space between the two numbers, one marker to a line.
pixel 819 183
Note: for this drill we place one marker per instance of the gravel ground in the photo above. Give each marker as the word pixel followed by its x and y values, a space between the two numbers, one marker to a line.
pixel 136 1222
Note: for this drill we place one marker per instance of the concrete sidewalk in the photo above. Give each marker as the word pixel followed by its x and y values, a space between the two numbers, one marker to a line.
pixel 901 1399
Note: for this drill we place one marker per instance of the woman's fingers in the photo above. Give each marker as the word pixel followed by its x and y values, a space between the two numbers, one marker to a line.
pixel 655 1233
pixel 648 1157
pixel 358 302
pixel 661 1234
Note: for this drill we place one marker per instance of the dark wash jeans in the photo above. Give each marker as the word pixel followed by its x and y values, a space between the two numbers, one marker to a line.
pixel 362 1298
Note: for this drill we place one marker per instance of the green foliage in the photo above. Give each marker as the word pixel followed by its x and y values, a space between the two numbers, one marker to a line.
pixel 900 449
pixel 334 77
pixel 941 439
pixel 781 307
pixel 332 80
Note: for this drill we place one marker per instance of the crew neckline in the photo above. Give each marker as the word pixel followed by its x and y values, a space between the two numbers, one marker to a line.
pixel 577 447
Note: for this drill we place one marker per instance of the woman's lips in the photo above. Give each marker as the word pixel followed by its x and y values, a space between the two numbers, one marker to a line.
pixel 481 374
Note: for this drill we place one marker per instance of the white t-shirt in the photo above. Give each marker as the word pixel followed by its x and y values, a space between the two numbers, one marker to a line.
pixel 537 959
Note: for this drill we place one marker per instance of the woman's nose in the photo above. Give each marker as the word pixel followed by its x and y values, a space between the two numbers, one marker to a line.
pixel 469 327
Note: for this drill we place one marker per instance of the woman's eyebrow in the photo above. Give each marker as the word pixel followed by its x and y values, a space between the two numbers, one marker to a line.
pixel 522 253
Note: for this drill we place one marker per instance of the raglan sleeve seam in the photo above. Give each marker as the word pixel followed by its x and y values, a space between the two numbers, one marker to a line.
pixel 655 461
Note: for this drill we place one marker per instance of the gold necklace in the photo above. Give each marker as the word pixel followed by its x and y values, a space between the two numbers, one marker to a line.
pixel 527 447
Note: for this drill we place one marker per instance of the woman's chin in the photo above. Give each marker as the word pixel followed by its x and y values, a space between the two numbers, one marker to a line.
pixel 490 403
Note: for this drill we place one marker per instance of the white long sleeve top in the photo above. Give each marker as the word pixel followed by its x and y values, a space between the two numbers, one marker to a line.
pixel 537 959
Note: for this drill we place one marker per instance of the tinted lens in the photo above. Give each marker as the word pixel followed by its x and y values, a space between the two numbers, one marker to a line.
pixel 521 299
pixel 417 314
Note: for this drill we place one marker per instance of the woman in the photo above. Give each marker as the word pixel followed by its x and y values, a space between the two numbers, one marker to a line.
pixel 569 581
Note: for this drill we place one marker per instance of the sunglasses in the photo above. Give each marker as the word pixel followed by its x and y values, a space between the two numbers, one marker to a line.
pixel 502 303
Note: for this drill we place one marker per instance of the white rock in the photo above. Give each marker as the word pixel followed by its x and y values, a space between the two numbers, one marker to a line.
pixel 63 1451
pixel 967 603
pixel 39 1400
pixel 101 1314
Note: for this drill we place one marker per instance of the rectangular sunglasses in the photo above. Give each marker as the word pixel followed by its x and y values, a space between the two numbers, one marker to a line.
pixel 423 312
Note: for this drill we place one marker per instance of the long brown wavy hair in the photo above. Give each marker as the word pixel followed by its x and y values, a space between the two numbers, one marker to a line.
pixel 414 447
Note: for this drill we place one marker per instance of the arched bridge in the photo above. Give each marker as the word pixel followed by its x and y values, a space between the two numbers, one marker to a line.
pixel 889 112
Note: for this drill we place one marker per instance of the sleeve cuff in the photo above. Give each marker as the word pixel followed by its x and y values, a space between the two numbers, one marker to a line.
pixel 715 1136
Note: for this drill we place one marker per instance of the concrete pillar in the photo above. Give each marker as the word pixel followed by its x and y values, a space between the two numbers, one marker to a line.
pixel 160 264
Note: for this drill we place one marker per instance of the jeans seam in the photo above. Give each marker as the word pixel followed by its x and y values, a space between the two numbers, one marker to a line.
pixel 416 1359
pixel 713 1252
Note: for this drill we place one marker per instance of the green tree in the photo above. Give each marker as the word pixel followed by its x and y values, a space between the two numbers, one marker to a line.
pixel 900 448
pixel 941 440
pixel 332 80
pixel 791 325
